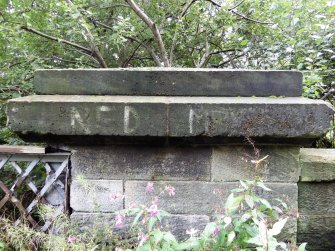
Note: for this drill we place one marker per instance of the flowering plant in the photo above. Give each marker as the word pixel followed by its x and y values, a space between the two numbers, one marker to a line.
pixel 248 222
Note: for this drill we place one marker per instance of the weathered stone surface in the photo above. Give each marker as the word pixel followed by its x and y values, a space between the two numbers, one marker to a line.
pixel 175 117
pixel 94 195
pixel 234 163
pixel 316 223
pixel 177 224
pixel 169 82
pixel 318 241
pixel 317 164
pixel 197 197
pixel 318 231
pixel 316 198
pixel 144 162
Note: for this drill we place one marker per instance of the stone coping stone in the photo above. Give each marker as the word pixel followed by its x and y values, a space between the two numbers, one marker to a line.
pixel 317 164
pixel 168 82
pixel 169 117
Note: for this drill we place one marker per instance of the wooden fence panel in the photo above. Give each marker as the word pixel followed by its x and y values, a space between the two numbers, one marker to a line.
pixel 23 161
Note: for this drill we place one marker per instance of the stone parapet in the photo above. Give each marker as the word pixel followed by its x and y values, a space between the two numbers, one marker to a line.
pixel 169 82
pixel 151 117
pixel 187 128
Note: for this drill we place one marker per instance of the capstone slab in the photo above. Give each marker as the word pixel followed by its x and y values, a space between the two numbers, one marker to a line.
pixel 168 82
pixel 234 163
pixel 198 197
pixel 173 117
pixel 94 195
pixel 317 164
pixel 142 163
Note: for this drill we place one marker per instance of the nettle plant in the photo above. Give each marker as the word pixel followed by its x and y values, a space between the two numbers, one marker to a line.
pixel 248 223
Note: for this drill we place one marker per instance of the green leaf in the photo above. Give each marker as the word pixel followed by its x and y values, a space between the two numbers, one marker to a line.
pixel 249 201
pixel 261 185
pixel 255 240
pixel 302 247
pixel 188 245
pixel 3 4
pixel 244 42
pixel 265 203
pixel 277 227
pixel 152 222
pixel 139 214
pixel 231 237
pixel 208 231
pixel 158 236
pixel 233 203
pixel 169 237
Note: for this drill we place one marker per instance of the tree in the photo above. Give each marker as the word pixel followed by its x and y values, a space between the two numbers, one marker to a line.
pixel 259 34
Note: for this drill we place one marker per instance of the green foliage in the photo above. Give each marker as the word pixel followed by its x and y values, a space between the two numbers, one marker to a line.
pixel 249 222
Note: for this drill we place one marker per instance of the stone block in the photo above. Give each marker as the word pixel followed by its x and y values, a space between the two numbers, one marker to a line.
pixel 234 163
pixel 197 197
pixel 317 164
pixel 316 198
pixel 177 224
pixel 142 162
pixel 168 82
pixel 316 223
pixel 94 195
pixel 319 241
pixel 168 117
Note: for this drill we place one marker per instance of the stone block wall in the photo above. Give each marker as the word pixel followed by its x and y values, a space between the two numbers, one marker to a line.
pixel 186 128
pixel 203 177
pixel 316 224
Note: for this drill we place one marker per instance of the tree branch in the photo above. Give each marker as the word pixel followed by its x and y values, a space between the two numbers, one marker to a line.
pixel 236 5
pixel 249 19
pixel 187 6
pixel 206 55
pixel 89 37
pixel 157 36
pixel 238 14
pixel 215 53
pixel 229 60
pixel 77 46
pixel 125 63
pixel 150 50
pixel 174 40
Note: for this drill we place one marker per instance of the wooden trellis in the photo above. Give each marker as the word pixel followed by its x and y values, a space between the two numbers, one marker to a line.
pixel 55 165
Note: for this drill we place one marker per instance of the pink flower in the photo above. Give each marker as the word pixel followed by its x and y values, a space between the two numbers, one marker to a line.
pixel 142 238
pixel 150 187
pixel 132 205
pixel 153 210
pixel 155 200
pixel 217 230
pixel 71 239
pixel 119 221
pixel 170 190
pixel 113 197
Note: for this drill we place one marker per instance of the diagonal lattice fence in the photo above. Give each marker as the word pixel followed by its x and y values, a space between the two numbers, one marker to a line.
pixel 48 184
